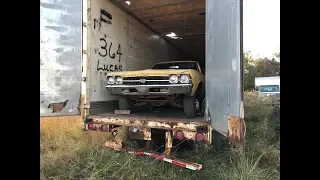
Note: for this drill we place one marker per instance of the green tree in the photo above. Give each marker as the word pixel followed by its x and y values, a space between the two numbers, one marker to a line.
pixel 267 67
pixel 250 71
pixel 277 55
pixel 261 67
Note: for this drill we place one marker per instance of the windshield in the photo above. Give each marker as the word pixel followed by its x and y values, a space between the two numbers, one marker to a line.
pixel 176 65
pixel 269 88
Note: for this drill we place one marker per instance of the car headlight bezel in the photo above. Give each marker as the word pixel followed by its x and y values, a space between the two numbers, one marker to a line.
pixel 111 80
pixel 118 80
pixel 175 81
pixel 186 80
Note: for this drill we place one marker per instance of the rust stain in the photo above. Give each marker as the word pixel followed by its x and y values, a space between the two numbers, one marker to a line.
pixel 235 128
pixel 168 143
pixel 57 107
pixel 168 125
pixel 142 133
pixel 145 129
pixel 142 121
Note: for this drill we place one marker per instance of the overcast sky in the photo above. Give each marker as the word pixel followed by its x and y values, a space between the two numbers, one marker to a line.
pixel 261 27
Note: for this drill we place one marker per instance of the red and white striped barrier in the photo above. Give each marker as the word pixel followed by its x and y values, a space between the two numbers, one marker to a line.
pixel 181 163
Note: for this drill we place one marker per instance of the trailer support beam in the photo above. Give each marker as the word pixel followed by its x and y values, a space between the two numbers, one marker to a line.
pixel 168 143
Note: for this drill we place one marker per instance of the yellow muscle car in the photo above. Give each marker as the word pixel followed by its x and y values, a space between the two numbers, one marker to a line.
pixel 179 83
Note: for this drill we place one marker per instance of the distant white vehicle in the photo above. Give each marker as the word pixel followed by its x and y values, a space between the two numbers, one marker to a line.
pixel 268 86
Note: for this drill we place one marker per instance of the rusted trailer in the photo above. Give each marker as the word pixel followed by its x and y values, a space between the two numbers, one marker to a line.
pixel 82 40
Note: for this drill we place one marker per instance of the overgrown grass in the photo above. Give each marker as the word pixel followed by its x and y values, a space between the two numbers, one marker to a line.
pixel 69 153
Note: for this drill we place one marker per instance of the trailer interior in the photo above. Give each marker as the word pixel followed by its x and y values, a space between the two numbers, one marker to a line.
pixel 185 19
pixel 167 30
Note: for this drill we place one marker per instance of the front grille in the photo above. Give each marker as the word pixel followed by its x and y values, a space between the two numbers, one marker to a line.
pixel 149 80
pixel 147 83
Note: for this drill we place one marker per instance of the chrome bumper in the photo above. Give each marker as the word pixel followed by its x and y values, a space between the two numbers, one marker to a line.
pixel 149 89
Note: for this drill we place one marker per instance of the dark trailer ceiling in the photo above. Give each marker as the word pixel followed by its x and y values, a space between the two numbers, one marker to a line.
pixel 185 18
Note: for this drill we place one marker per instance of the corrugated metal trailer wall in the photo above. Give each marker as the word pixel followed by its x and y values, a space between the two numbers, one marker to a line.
pixel 60 57
pixel 224 77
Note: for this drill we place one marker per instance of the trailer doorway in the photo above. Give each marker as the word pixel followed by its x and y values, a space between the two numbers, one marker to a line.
pixel 137 35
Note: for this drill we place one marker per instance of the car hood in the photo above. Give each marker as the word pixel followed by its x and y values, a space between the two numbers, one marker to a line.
pixel 150 72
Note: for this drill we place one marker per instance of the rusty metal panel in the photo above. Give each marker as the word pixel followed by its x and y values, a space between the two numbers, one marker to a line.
pixel 118 42
pixel 224 93
pixel 60 57
pixel 236 129
pixel 145 121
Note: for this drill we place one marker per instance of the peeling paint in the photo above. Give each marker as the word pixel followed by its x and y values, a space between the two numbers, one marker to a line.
pixel 51 6
pixel 57 28
pixel 145 121
pixel 57 107
pixel 58 50
pixel 236 128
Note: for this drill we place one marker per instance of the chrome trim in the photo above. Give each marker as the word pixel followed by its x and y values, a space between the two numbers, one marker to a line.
pixel 162 85
pixel 148 92
pixel 146 80
pixel 144 76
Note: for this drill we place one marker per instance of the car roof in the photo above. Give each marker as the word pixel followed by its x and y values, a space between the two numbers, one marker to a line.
pixel 175 62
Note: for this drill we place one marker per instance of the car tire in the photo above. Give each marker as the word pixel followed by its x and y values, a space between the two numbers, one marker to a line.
pixel 124 103
pixel 191 106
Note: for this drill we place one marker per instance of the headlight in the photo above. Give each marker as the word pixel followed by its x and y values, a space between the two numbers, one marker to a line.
pixel 110 80
pixel 173 78
pixel 119 80
pixel 184 78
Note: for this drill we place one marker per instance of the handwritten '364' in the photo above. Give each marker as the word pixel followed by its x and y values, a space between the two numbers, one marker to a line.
pixel 104 52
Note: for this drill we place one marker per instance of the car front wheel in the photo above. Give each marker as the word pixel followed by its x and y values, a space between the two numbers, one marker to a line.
pixel 191 106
